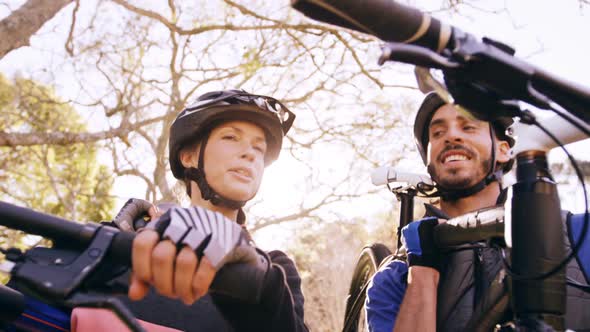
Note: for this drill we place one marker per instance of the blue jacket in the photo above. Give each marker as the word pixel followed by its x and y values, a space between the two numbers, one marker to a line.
pixel 385 294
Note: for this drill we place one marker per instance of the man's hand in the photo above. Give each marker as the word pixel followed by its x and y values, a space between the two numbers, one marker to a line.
pixel 418 238
pixel 423 276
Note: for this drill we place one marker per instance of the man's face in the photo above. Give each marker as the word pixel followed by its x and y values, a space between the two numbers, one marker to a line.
pixel 459 149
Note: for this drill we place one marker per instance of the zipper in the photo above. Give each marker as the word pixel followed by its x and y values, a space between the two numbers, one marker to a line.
pixel 478 275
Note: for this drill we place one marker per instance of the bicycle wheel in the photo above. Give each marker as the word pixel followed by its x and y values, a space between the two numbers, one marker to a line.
pixel 366 265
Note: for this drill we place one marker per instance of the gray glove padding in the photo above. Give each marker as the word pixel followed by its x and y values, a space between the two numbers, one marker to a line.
pixel 130 217
pixel 210 234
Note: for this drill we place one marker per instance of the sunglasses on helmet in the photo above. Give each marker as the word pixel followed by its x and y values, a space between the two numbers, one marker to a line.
pixel 268 104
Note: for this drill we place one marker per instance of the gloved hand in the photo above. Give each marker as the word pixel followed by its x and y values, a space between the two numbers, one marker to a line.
pixel 209 234
pixel 418 238
pixel 131 216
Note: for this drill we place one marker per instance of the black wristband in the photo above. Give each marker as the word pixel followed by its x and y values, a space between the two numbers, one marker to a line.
pixel 424 260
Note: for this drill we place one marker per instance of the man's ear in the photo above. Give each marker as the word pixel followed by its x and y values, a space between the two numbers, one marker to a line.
pixel 502 151
pixel 189 157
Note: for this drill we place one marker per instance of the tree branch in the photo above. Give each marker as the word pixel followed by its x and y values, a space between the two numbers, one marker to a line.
pixel 20 25
pixel 70 41
pixel 67 138
pixel 223 27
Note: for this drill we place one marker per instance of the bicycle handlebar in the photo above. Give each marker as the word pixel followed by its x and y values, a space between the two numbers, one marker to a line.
pixel 532 138
pixel 61 230
pixel 12 304
pixel 385 19
pixel 466 59
pixel 235 280
pixel 477 226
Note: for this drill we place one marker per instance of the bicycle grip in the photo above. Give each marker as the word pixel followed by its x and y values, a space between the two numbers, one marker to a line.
pixel 121 247
pixel 446 235
pixel 476 226
pixel 385 19
pixel 12 303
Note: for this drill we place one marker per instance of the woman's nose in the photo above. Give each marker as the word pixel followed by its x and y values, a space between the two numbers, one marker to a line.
pixel 249 152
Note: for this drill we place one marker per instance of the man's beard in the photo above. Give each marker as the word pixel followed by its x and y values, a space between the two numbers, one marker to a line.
pixel 452 180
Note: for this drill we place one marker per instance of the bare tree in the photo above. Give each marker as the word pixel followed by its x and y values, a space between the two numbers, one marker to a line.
pixel 166 57
pixel 131 66
pixel 135 65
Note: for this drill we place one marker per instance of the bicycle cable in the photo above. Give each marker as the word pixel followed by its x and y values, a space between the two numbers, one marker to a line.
pixel 554 107
pixel 578 285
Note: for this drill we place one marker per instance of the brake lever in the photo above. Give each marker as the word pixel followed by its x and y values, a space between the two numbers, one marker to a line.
pixel 69 277
pixel 415 55
pixel 57 273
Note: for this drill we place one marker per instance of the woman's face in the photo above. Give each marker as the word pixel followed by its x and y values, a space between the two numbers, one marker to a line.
pixel 234 159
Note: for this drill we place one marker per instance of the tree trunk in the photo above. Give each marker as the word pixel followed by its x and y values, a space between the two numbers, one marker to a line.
pixel 20 25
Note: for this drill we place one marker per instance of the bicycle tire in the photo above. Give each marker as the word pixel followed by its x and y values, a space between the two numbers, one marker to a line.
pixel 366 265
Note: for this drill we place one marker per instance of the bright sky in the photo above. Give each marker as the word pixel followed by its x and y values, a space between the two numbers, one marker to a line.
pixel 550 34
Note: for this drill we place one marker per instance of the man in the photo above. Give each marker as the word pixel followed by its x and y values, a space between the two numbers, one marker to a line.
pixel 432 291
pixel 219 147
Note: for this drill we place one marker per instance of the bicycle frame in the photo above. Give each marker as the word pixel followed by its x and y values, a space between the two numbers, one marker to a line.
pixel 373 255
pixel 474 73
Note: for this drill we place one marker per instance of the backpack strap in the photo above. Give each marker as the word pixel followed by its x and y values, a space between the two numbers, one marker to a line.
pixel 575 225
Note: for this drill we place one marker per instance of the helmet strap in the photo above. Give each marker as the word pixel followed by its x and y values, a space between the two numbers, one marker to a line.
pixel 453 195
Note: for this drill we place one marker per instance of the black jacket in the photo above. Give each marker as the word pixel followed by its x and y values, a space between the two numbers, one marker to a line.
pixel 469 274
pixel 280 307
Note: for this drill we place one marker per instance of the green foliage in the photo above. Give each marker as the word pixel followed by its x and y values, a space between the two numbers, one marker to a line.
pixel 64 180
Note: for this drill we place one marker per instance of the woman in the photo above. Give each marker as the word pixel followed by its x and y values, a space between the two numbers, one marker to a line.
pixel 219 147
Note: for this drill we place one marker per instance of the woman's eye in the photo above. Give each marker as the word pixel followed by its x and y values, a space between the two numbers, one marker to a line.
pixel 230 137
